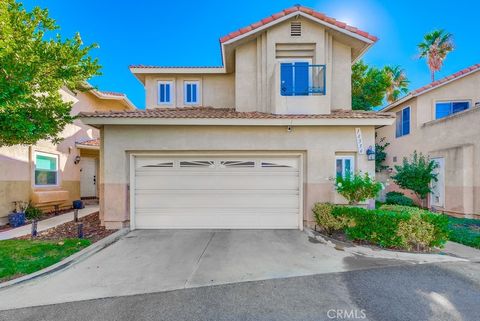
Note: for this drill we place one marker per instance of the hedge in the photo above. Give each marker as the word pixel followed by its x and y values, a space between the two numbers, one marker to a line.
pixel 398 198
pixel 390 226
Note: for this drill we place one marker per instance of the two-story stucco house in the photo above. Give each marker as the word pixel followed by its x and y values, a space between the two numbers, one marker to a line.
pixel 442 120
pixel 56 174
pixel 253 143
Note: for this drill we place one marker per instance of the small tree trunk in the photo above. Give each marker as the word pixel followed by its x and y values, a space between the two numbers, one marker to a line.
pixel 433 75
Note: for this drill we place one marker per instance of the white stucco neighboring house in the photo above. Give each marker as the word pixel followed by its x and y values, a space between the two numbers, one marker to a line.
pixel 253 143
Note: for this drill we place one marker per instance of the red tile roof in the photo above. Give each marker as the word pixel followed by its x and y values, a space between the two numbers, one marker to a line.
pixel 172 67
pixel 229 113
pixel 439 82
pixel 90 142
pixel 306 10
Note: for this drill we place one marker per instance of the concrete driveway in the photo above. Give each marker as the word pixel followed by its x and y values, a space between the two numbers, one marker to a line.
pixel 146 261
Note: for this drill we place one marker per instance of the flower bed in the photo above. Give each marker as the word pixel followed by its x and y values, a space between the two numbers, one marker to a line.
pixel 391 226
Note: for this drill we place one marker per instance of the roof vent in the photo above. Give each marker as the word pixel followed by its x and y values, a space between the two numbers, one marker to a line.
pixel 295 29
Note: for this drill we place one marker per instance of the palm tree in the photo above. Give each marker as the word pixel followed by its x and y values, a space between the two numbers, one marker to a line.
pixel 397 83
pixel 435 47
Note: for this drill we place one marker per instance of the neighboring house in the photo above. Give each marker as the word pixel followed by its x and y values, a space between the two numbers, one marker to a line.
pixel 251 144
pixel 442 120
pixel 50 174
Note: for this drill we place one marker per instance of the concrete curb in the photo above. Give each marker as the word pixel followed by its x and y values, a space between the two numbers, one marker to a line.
pixel 419 258
pixel 71 260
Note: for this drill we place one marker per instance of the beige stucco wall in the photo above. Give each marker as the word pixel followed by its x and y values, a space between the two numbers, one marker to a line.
pixel 254 83
pixel 319 146
pixel 17 162
pixel 456 138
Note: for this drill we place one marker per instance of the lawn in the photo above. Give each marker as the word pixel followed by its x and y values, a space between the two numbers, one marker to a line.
pixel 20 257
pixel 465 231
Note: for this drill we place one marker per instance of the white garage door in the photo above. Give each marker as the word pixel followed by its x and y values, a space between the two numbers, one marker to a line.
pixel 216 192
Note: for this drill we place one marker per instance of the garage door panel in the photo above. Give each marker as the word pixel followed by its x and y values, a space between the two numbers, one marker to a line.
pixel 215 199
pixel 226 181
pixel 214 192
pixel 218 221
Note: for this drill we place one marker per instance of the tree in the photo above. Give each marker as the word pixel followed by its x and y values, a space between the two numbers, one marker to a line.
pixel 33 68
pixel 397 83
pixel 416 174
pixel 369 85
pixel 380 154
pixel 435 47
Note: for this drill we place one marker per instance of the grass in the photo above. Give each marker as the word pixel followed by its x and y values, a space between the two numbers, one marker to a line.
pixel 21 257
pixel 465 231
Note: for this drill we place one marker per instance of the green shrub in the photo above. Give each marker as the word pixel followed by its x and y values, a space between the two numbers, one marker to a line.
pixel 398 199
pixel 357 188
pixel 416 232
pixel 374 226
pixel 439 222
pixel 465 231
pixel 395 226
pixel 325 219
pixel 32 212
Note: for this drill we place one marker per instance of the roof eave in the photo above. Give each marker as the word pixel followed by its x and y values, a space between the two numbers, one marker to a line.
pixel 101 121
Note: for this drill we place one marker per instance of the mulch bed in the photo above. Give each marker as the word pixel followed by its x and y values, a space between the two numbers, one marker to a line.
pixel 45 216
pixel 91 230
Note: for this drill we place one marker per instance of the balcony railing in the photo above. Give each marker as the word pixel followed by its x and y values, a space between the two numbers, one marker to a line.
pixel 302 79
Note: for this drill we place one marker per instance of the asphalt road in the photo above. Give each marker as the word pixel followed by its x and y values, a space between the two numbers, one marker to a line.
pixel 447 291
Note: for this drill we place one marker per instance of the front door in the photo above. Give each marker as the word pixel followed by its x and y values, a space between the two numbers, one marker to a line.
pixel 88 177
pixel 437 197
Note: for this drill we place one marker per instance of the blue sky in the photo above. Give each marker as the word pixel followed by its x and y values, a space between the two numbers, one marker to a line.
pixel 183 32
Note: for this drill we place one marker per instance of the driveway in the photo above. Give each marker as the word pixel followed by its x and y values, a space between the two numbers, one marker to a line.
pixel 434 292
pixel 146 261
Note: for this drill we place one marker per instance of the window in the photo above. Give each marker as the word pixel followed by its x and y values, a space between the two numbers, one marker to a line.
pixel 295 78
pixel 403 122
pixel 165 92
pixel 46 169
pixel 446 108
pixel 344 165
pixel 300 78
pixel 191 92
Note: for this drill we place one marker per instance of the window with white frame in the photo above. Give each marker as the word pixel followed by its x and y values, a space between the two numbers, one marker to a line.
pixel 165 92
pixel 191 92
pixel 402 125
pixel 46 169
pixel 446 108
pixel 344 165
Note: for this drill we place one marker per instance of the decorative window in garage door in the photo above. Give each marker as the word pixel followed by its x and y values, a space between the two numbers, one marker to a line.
pixel 199 163
pixel 236 164
pixel 279 163
pixel 148 163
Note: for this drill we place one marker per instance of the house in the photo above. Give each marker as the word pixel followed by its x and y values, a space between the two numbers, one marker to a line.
pixel 55 175
pixel 253 143
pixel 441 120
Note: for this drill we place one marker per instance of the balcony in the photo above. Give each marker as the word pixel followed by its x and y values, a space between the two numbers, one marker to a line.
pixel 302 79
pixel 300 88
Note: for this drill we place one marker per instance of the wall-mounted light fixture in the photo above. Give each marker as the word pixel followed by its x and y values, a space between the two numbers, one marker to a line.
pixel 370 153
pixel 77 159
pixel 289 128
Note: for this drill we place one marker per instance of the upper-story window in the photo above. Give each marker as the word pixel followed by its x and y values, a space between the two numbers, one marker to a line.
pixel 165 92
pixel 403 122
pixel 446 108
pixel 46 169
pixel 191 92
pixel 300 78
